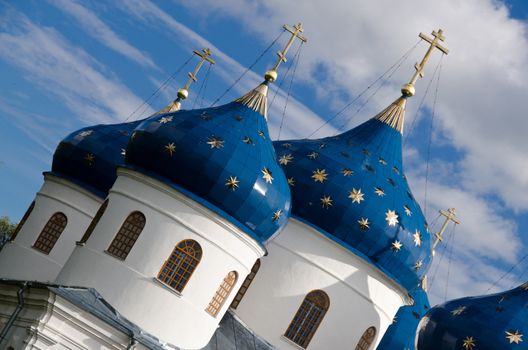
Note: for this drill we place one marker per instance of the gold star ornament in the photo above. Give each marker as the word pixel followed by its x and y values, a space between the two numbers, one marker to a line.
pixel 514 336
pixel 232 182
pixel 391 217
pixel 469 343
pixel 319 175
pixel 170 148
pixel 326 202
pixel 277 215
pixel 364 224
pixel 291 181
pixel 215 142
pixel 346 172
pixel 313 155
pixel 89 158
pixel 165 120
pixel 356 196
pixel 458 311
pixel 285 159
pixel 417 238
pixel 396 246
pixel 379 191
pixel 266 175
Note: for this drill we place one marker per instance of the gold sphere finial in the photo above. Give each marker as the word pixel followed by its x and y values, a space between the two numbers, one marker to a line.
pixel 408 90
pixel 183 93
pixel 271 75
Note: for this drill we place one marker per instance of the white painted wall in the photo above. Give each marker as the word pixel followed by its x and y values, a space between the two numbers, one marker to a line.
pixel 300 260
pixel 130 285
pixel 18 260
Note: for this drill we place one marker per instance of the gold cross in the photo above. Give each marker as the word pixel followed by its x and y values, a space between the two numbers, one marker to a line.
pixel 408 89
pixel 450 215
pixel 271 75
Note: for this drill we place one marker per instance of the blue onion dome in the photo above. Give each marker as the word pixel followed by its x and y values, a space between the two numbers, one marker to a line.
pixel 492 322
pixel 351 187
pixel 89 156
pixel 220 156
pixel 401 333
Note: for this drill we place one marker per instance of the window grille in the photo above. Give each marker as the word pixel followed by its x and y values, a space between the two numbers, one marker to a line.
pixel 127 235
pixel 245 285
pixel 366 339
pixel 51 233
pixel 308 318
pixel 222 293
pixel 180 265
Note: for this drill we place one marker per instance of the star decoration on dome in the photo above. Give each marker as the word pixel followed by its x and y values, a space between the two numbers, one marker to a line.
pixel 326 202
pixel 370 168
pixel 206 116
pixel 266 175
pixel 356 196
pixel 458 311
pixel 364 224
pixel 291 181
pixel 417 238
pixel 391 217
pixel 247 140
pixel 89 158
pixel 165 120
pixel 366 151
pixel 232 182
pixel 469 343
pixel 408 211
pixel 396 170
pixel 319 175
pixel 396 246
pixel 379 191
pixel 261 134
pixel 277 215
pixel 514 336
pixel 382 161
pixel 85 133
pixel 418 265
pixel 347 172
pixel 395 319
pixel 215 142
pixel 322 145
pixel 170 148
pixel 286 145
pixel 285 159
pixel 123 152
pixel 313 155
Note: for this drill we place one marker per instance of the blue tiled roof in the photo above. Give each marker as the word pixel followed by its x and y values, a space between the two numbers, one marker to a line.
pixel 349 185
pixel 89 156
pixel 492 322
pixel 401 333
pixel 222 155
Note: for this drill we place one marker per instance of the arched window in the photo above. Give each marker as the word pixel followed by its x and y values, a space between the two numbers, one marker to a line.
pixel 127 235
pixel 308 318
pixel 94 222
pixel 222 293
pixel 51 233
pixel 245 285
pixel 23 221
pixel 180 265
pixel 366 339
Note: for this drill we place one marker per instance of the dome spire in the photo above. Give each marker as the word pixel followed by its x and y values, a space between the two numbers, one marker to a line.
pixel 183 93
pixel 256 99
pixel 408 89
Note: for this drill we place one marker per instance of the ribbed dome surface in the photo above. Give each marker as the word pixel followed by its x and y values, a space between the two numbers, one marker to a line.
pixel 351 187
pixel 401 333
pixel 492 322
pixel 221 157
pixel 89 156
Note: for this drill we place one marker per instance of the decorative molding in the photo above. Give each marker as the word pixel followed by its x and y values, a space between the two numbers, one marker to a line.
pixel 256 100
pixel 394 115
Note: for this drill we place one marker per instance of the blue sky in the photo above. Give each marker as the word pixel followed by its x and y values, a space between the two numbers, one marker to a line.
pixel 68 64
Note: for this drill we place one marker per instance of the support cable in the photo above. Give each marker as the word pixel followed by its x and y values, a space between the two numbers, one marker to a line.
pixel 450 258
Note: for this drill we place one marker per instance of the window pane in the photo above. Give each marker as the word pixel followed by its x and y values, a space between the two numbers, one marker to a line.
pixel 308 318
pixel 221 294
pixel 180 265
pixel 245 285
pixel 127 235
pixel 51 233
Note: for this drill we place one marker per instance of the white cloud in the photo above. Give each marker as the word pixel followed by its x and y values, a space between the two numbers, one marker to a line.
pixel 49 61
pixel 97 29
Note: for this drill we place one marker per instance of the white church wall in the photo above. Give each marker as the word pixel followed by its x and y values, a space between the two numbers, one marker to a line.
pixel 131 286
pixel 300 260
pixel 19 260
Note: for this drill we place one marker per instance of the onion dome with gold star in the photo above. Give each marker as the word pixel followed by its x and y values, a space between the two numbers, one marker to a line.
pixel 89 157
pixel 352 188
pixel 401 333
pixel 491 322
pixel 222 157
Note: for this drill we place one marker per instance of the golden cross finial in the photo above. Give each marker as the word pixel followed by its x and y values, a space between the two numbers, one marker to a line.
pixel 450 215
pixel 183 93
pixel 408 89
pixel 271 75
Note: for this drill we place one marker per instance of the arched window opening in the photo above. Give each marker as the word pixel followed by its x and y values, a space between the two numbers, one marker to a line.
pixel 127 235
pixel 50 233
pixel 22 221
pixel 222 293
pixel 308 318
pixel 245 285
pixel 179 267
pixel 94 222
pixel 367 339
